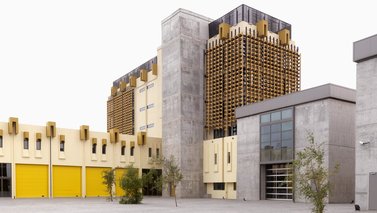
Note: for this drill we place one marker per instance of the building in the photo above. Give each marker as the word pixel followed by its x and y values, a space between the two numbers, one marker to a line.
pixel 46 161
pixel 272 131
pixel 365 55
pixel 205 69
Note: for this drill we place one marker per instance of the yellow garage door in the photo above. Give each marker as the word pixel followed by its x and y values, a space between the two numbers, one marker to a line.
pixel 31 180
pixel 66 181
pixel 94 185
pixel 118 175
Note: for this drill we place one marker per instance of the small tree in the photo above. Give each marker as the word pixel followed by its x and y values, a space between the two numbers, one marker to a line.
pixel 108 177
pixel 171 175
pixel 310 176
pixel 132 184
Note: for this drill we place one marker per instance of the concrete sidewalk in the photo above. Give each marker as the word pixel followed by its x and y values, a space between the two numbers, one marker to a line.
pixel 158 204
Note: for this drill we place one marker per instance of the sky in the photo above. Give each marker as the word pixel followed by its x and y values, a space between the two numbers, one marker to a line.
pixel 58 59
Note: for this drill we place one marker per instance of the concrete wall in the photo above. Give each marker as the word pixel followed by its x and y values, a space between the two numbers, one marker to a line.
pixel 184 36
pixel 332 123
pixel 312 117
pixel 366 126
pixel 248 149
pixel 342 150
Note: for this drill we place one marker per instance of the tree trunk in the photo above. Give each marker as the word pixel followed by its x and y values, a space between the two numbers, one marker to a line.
pixel 175 198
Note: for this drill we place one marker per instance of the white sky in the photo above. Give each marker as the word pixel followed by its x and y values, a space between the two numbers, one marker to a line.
pixel 58 59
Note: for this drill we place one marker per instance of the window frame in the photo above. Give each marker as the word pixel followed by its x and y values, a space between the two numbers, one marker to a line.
pixel 279 141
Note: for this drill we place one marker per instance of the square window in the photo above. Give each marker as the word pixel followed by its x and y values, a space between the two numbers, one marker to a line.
pixel 265 118
pixel 286 126
pixel 287 113
pixel 275 116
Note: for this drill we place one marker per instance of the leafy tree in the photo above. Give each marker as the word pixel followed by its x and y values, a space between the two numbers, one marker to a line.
pixel 132 184
pixel 171 175
pixel 310 176
pixel 108 177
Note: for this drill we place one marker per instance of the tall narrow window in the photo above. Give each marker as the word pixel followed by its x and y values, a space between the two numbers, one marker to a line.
pixel 132 151
pixel 228 157
pixel 62 143
pixel 26 143
pixel 150 152
pixel 157 153
pixel 104 149
pixel 123 150
pixel 215 158
pixel 1 141
pixel 38 144
pixel 94 148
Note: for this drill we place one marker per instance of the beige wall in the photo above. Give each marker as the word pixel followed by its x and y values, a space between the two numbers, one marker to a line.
pixel 76 152
pixel 148 103
pixel 225 170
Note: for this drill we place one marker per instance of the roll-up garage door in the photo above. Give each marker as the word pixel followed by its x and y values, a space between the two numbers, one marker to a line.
pixel 66 181
pixel 94 185
pixel 31 180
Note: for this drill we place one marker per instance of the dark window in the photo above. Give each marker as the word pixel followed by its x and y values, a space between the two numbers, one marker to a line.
pixel 150 152
pixel 157 153
pixel 232 130
pixel 62 146
pixel 104 149
pixel 123 150
pixel 94 148
pixel 218 186
pixel 26 143
pixel 38 144
pixel 228 157
pixel 1 141
pixel 132 151
pixel 218 133
pixel 234 186
pixel 215 158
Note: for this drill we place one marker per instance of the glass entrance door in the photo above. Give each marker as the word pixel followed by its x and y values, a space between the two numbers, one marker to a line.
pixel 278 182
pixel 5 180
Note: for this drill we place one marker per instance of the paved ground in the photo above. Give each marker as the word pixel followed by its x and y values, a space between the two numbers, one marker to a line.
pixel 153 204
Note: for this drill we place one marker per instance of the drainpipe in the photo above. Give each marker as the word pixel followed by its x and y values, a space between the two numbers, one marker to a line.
pixel 50 168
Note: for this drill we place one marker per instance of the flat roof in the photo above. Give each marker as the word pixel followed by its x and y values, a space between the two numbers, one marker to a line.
pixel 305 96
pixel 365 49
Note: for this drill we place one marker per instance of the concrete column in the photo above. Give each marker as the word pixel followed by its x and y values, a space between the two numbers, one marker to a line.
pixel 184 37
pixel 365 55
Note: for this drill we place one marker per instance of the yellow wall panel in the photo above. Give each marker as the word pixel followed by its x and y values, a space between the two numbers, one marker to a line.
pixel 118 175
pixel 94 185
pixel 66 181
pixel 31 181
